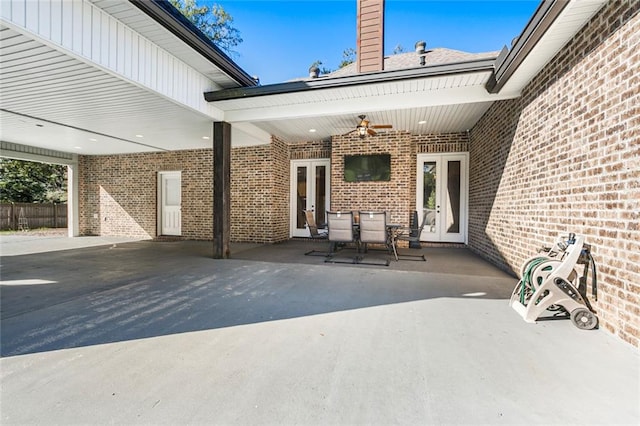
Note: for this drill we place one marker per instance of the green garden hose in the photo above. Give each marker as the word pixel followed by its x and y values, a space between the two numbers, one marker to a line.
pixel 526 277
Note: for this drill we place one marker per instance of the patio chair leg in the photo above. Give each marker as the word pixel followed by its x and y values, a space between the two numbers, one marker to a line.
pixel 315 252
pixel 418 257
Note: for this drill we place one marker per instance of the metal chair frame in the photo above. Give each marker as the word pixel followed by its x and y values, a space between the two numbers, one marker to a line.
pixel 374 230
pixel 411 235
pixel 315 233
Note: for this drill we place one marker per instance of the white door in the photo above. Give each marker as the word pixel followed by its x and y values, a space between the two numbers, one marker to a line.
pixel 442 192
pixel 309 191
pixel 170 203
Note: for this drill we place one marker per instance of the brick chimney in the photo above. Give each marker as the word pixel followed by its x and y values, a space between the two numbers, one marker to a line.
pixel 370 36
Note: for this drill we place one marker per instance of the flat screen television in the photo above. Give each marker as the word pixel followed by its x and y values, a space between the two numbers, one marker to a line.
pixel 365 168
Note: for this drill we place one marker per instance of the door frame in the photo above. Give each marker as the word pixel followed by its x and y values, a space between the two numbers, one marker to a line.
pixel 440 159
pixel 160 200
pixel 293 191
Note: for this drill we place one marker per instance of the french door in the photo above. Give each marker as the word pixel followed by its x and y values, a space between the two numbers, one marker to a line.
pixel 309 191
pixel 442 193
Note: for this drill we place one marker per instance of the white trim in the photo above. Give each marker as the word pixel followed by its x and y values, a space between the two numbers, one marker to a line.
pixel 293 190
pixel 439 158
pixel 351 100
pixel 73 209
pixel 160 204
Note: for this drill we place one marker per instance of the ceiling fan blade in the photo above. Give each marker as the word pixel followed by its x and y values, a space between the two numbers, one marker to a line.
pixel 381 126
pixel 371 132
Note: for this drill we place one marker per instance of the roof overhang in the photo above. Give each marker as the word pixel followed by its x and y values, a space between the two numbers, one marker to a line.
pixel 171 19
pixel 442 98
pixel 58 100
pixel 552 25
pixel 354 80
pixel 432 99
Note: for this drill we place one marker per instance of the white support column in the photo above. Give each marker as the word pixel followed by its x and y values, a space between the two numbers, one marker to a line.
pixel 73 222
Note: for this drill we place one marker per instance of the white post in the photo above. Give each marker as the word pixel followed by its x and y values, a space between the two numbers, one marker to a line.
pixel 73 222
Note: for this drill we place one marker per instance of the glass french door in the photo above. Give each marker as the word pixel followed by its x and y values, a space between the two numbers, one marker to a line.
pixel 442 193
pixel 309 191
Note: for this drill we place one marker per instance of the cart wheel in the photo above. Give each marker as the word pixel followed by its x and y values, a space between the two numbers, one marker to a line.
pixel 584 319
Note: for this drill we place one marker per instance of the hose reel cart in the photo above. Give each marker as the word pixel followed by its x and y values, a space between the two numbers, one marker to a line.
pixel 553 280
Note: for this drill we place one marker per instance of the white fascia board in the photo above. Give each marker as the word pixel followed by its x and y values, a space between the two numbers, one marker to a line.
pixel 458 95
pixel 40 158
pixel 570 21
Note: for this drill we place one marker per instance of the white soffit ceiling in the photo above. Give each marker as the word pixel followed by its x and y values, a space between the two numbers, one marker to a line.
pixel 451 103
pixel 56 101
pixel 573 17
pixel 53 101
pixel 423 120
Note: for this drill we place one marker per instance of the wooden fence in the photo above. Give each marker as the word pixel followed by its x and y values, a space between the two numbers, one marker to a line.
pixel 19 216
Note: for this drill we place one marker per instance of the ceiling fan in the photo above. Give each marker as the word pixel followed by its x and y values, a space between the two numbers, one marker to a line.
pixel 364 127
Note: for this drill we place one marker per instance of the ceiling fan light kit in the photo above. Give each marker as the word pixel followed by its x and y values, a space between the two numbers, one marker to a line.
pixel 364 128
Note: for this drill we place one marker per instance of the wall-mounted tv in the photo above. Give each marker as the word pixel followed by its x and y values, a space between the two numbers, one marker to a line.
pixel 364 168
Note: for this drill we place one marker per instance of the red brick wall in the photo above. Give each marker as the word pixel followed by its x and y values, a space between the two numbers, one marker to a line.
pixel 260 193
pixel 565 157
pixel 398 196
pixel 393 196
pixel 121 192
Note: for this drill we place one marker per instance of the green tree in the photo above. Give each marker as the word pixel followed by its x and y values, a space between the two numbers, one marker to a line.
pixel 29 182
pixel 348 57
pixel 213 21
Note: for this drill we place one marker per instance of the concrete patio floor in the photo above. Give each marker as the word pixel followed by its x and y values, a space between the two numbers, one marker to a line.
pixel 159 333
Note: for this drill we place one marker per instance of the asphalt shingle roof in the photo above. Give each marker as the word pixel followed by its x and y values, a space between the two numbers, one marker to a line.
pixel 437 56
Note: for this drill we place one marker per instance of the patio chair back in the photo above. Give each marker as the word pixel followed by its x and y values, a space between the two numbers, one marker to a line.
pixel 429 216
pixel 311 224
pixel 373 227
pixel 340 227
pixel 412 236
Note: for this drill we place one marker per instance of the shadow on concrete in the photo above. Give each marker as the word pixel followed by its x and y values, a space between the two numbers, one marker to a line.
pixel 99 295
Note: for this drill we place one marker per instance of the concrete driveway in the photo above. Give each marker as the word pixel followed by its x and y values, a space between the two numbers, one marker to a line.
pixel 160 333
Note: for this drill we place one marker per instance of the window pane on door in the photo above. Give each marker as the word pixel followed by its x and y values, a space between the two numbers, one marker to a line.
pixel 453 197
pixel 321 195
pixel 429 195
pixel 301 196
pixel 172 192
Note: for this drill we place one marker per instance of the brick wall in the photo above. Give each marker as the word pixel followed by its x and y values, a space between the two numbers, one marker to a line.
pixel 391 196
pixel 397 196
pixel 565 157
pixel 310 150
pixel 260 193
pixel 279 206
pixel 118 193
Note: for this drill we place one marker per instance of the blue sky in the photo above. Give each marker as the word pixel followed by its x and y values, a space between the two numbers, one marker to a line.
pixel 283 38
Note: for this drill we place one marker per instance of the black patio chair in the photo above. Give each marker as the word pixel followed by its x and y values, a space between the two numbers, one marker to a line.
pixel 412 235
pixel 315 232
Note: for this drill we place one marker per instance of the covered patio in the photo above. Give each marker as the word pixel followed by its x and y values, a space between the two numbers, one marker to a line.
pixel 161 333
pixel 535 158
